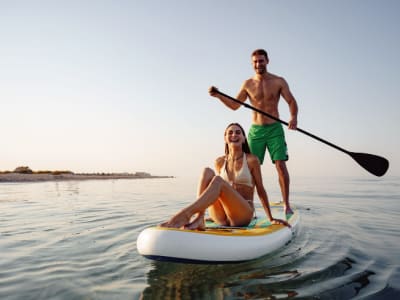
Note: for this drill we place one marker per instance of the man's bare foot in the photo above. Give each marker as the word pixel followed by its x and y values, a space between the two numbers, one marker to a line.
pixel 288 211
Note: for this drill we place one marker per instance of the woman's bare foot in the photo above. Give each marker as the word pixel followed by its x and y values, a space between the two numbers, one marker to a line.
pixel 197 223
pixel 177 221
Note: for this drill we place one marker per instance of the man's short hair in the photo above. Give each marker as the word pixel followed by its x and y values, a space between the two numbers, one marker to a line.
pixel 260 52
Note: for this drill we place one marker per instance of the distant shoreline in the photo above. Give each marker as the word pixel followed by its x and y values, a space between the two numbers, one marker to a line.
pixel 18 177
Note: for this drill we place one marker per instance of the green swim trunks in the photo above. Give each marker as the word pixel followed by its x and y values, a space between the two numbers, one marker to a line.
pixel 271 137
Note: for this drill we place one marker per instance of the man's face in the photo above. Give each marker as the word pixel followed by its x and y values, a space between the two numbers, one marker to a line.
pixel 259 64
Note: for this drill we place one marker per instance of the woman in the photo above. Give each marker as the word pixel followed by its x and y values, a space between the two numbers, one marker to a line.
pixel 229 196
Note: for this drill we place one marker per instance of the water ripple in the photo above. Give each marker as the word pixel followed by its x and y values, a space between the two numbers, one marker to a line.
pixel 78 241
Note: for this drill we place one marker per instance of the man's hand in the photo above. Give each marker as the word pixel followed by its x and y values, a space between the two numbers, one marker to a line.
pixel 293 124
pixel 213 91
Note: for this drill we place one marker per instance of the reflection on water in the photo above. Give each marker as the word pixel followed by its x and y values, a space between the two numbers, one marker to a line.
pixel 178 281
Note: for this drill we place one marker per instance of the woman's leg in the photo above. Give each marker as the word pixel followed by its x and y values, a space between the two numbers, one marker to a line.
pixel 205 179
pixel 236 210
pixel 231 209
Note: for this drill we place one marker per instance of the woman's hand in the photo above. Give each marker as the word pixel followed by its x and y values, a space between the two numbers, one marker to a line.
pixel 280 222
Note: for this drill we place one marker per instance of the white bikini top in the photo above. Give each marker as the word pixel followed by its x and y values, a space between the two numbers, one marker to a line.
pixel 243 176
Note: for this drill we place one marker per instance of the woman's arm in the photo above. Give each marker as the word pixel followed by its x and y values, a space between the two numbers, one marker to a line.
pixel 255 169
pixel 218 164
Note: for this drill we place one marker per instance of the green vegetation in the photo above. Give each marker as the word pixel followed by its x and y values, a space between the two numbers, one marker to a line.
pixel 27 170
pixel 26 174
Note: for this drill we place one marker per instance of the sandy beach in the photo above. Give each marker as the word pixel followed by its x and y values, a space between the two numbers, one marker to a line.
pixel 18 177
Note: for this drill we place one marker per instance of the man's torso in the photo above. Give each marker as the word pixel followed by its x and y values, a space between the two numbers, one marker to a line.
pixel 264 94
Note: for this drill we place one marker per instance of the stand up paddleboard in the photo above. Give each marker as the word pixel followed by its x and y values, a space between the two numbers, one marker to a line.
pixel 218 244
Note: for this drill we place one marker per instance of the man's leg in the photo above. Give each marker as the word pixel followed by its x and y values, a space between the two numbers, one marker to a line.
pixel 284 182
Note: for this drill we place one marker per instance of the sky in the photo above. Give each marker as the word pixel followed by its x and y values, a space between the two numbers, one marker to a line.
pixel 122 86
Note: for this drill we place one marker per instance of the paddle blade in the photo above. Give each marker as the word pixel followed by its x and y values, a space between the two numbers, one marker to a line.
pixel 374 164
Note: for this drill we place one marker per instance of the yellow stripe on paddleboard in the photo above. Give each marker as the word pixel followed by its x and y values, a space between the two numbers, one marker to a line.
pixel 235 231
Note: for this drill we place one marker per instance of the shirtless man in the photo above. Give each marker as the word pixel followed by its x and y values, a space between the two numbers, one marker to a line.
pixel 264 91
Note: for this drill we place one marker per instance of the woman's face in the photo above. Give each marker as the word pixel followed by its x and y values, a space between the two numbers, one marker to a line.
pixel 234 135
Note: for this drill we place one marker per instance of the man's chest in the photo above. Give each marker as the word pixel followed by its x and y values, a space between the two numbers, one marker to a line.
pixel 264 91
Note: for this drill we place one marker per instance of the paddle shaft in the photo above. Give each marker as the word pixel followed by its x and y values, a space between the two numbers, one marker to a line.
pixel 285 123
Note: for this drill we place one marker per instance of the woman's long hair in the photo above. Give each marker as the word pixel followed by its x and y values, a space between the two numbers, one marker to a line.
pixel 245 145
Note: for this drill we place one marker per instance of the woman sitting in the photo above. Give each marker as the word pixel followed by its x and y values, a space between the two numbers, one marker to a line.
pixel 228 195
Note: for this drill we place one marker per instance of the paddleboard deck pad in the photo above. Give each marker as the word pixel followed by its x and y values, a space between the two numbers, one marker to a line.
pixel 219 244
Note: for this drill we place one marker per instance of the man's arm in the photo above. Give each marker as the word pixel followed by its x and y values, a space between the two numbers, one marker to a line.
pixel 291 101
pixel 242 96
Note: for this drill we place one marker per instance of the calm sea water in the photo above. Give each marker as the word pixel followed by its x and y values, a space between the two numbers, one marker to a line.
pixel 77 240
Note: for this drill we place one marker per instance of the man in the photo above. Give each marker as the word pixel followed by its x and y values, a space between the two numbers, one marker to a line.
pixel 264 91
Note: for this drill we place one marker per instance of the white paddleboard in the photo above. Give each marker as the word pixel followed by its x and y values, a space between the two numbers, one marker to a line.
pixel 218 244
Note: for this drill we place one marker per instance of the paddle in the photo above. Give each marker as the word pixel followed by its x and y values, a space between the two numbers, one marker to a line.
pixel 374 164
